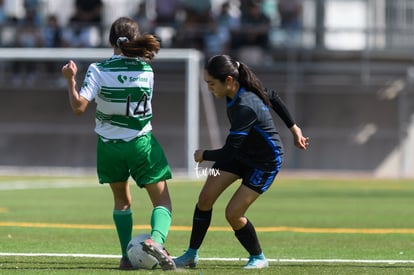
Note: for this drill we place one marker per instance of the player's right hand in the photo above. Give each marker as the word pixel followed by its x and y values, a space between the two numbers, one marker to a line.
pixel 69 70
pixel 198 155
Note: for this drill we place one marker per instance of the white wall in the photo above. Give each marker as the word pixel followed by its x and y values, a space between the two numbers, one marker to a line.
pixel 351 17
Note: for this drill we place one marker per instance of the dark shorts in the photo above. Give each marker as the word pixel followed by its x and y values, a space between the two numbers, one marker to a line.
pixel 253 178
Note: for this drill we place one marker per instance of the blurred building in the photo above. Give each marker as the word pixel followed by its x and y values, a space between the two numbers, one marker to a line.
pixel 330 24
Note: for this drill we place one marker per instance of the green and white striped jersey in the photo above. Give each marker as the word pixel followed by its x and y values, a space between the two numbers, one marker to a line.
pixel 122 88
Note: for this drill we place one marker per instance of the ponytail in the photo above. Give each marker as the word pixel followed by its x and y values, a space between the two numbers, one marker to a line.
pixel 145 46
pixel 125 35
pixel 222 66
pixel 249 80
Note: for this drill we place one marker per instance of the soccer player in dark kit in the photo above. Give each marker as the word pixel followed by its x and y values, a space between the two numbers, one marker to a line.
pixel 252 152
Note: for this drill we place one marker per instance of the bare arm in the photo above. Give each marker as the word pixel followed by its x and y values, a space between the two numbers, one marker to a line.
pixel 77 102
pixel 299 140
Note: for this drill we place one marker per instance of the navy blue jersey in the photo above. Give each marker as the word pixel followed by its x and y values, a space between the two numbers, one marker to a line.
pixel 253 138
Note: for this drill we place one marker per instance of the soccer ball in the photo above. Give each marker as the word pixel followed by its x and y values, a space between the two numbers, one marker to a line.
pixel 138 257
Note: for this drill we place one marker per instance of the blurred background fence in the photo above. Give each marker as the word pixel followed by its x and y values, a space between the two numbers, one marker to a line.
pixel 344 68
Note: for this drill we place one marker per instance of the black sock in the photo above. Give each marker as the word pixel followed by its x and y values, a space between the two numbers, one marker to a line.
pixel 201 223
pixel 248 238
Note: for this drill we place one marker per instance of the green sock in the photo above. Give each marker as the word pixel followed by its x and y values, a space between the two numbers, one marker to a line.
pixel 123 224
pixel 160 224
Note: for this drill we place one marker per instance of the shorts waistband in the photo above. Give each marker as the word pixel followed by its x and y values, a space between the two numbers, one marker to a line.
pixel 120 140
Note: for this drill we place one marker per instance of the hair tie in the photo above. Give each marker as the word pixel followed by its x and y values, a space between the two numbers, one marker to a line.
pixel 121 40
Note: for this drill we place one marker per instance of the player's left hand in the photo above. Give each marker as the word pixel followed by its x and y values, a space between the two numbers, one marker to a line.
pixel 299 140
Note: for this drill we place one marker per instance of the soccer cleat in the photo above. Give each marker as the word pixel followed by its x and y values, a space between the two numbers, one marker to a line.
pixel 125 264
pixel 186 259
pixel 257 262
pixel 158 251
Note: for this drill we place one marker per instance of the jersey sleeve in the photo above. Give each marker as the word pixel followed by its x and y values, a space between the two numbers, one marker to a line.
pixel 280 108
pixel 241 123
pixel 90 86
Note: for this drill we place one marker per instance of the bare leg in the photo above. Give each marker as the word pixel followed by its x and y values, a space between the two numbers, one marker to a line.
pixel 238 205
pixel 244 230
pixel 212 189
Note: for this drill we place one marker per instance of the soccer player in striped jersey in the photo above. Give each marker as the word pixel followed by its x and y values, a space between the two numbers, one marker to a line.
pixel 122 88
pixel 252 152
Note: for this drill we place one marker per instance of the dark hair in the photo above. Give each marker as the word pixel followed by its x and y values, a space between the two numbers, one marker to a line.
pixel 125 35
pixel 222 66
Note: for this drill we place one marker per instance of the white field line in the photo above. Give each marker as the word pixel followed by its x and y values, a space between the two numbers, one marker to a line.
pixel 109 256
pixel 27 185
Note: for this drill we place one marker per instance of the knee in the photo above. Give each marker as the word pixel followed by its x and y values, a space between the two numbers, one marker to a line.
pixel 163 201
pixel 231 217
pixel 166 205
pixel 204 203
pixel 235 219
pixel 122 204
